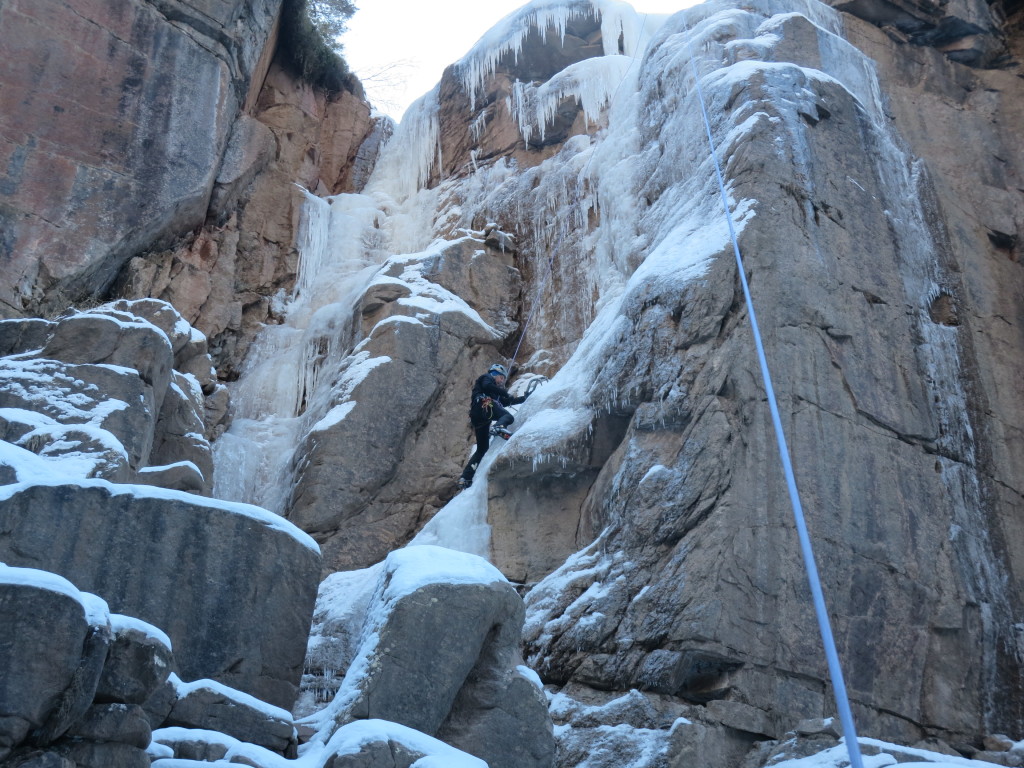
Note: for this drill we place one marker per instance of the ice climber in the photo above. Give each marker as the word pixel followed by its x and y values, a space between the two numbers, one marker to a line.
pixel 488 404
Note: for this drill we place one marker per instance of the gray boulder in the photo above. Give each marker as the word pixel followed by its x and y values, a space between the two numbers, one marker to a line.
pixel 190 347
pixel 23 335
pixel 76 699
pixel 57 409
pixel 108 754
pixel 99 389
pixel 112 337
pixel 120 723
pixel 179 432
pixel 440 654
pixel 138 663
pixel 383 744
pixel 363 744
pixel 233 586
pixel 43 629
pixel 208 705
pixel 179 476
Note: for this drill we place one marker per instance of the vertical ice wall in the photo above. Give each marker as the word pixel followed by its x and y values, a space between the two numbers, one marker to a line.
pixel 287 381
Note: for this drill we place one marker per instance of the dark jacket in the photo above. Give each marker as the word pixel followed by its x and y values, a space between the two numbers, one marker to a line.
pixel 487 387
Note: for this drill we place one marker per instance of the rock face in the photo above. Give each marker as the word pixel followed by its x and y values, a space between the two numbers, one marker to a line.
pixel 168 167
pixel 121 392
pixel 56 642
pixel 146 122
pixel 397 400
pixel 499 107
pixel 873 181
pixel 232 276
pixel 33 682
pixel 162 551
pixel 889 372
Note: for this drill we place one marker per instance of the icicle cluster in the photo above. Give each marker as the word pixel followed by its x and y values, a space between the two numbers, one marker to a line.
pixel 618 20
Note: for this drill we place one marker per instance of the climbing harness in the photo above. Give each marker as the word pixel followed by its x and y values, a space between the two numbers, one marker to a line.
pixel 486 404
pixel 824 627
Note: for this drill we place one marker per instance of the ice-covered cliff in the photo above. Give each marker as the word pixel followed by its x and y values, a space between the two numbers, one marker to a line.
pixel 552 203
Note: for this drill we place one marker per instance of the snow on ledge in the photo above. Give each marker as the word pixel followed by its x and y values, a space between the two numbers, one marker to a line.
pixel 351 738
pixel 119 621
pixel 233 694
pixel 95 608
pixel 259 514
pixel 250 754
pixel 416 566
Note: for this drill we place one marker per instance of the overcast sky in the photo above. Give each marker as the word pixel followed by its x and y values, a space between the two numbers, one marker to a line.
pixel 419 38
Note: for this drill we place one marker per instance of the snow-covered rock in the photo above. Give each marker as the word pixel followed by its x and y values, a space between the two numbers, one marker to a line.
pixel 139 660
pixel 439 652
pixel 208 705
pixel 117 392
pixel 45 624
pixel 231 585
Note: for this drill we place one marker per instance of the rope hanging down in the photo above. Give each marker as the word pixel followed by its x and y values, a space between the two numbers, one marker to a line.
pixel 831 655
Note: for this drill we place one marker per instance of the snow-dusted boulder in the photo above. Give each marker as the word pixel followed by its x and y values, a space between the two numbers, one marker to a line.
pixel 51 636
pixel 117 392
pixel 232 585
pixel 104 336
pixel 439 653
pixel 363 744
pixel 23 335
pixel 208 705
pixel 139 660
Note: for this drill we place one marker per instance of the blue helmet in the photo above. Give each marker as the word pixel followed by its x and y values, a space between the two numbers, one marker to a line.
pixel 499 370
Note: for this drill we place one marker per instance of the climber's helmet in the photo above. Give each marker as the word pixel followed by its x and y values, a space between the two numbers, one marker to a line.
pixel 498 370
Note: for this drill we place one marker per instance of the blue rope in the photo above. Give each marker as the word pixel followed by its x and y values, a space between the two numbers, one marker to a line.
pixel 831 655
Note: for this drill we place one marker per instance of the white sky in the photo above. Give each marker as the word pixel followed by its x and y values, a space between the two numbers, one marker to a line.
pixel 419 38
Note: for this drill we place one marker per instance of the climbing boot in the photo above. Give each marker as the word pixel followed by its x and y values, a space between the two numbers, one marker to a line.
pixel 463 483
pixel 500 432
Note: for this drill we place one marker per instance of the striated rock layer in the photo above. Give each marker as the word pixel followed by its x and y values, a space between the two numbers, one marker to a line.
pixel 114 122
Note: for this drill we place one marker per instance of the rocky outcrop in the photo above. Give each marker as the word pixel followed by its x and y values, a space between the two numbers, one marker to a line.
pixel 884 273
pixel 86 687
pixel 110 154
pixel 233 274
pixel 439 652
pixel 162 551
pixel 867 270
pixel 363 744
pixel 124 392
pixel 209 706
pixel 480 125
pixel 966 31
pixel 57 700
pixel 168 169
